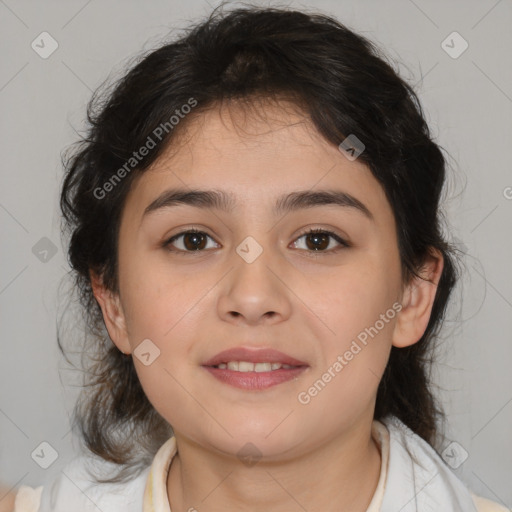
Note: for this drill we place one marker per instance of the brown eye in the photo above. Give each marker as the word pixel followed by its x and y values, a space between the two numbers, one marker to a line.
pixel 318 240
pixel 188 241
pixel 194 241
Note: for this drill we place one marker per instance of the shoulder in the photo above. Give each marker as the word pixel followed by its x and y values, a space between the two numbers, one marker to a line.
pixel 485 505
pixel 76 484
pixel 419 477
pixel 27 499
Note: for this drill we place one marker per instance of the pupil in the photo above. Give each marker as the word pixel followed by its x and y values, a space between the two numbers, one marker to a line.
pixel 197 241
pixel 318 237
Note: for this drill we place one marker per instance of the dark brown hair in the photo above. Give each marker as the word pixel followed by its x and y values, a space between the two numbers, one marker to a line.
pixel 345 85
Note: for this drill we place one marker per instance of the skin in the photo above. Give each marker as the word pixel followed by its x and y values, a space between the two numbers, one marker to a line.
pixel 308 304
pixel 6 499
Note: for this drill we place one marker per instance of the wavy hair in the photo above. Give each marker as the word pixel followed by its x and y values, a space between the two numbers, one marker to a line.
pixel 345 85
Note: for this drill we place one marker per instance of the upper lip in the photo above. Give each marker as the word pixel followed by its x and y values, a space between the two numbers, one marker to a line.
pixel 260 355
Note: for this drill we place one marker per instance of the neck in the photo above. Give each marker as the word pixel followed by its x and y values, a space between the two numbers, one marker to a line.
pixel 340 475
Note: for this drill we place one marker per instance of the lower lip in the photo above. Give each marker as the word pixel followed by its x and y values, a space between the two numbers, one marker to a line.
pixel 255 380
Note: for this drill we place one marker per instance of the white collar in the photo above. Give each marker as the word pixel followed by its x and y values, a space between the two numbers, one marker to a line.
pixel 418 479
pixel 155 493
pixel 413 477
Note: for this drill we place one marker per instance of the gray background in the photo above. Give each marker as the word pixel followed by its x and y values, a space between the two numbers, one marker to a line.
pixel 468 102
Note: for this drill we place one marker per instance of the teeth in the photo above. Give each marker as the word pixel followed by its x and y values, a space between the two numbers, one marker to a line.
pixel 246 366
pixel 262 367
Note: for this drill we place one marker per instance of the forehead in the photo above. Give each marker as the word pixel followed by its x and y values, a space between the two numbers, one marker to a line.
pixel 256 153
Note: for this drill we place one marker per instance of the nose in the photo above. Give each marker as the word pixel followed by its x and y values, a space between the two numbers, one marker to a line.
pixel 254 293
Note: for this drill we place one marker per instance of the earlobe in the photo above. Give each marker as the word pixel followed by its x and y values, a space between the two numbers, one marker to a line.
pixel 418 299
pixel 113 314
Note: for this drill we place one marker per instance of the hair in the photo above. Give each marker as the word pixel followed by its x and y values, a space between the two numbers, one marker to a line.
pixel 344 85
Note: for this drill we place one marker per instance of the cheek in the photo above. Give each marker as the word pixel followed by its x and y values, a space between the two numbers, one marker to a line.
pixel 162 313
pixel 159 302
pixel 357 307
pixel 353 299
pixel 346 385
pixel 165 387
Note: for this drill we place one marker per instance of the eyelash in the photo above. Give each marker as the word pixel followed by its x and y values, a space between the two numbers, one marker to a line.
pixel 343 244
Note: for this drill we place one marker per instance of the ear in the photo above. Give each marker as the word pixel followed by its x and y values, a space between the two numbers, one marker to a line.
pixel 418 299
pixel 113 314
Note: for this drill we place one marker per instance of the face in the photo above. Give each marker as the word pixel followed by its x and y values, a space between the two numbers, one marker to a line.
pixel 252 277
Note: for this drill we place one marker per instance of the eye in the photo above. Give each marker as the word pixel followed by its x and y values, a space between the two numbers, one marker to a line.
pixel 189 241
pixel 320 240
pixel 316 240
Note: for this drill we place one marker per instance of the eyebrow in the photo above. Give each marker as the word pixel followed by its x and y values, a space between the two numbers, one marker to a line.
pixel 225 201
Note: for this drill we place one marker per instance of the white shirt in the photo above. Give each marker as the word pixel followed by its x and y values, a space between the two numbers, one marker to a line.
pixel 413 478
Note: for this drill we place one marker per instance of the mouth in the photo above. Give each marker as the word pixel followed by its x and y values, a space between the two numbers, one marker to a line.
pixel 251 369
pixel 247 366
